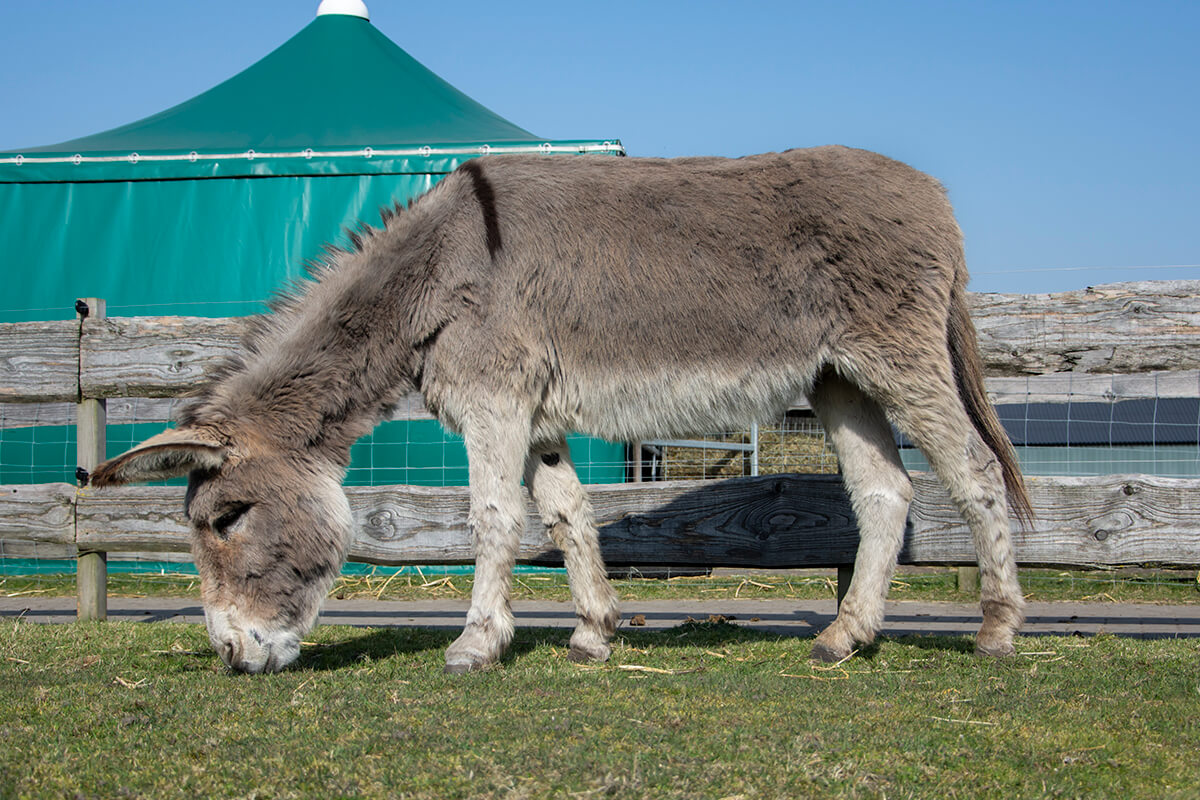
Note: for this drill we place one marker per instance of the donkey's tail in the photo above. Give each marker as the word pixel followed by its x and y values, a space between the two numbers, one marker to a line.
pixel 968 372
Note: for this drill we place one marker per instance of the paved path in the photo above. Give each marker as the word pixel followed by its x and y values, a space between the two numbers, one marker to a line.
pixel 795 617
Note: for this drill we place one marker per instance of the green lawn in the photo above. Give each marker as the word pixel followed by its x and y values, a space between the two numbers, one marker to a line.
pixel 705 710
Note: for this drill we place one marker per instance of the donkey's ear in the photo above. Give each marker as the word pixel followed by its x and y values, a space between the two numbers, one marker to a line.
pixel 168 455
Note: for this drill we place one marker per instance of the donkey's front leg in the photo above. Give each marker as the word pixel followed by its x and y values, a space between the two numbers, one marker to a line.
pixel 496 447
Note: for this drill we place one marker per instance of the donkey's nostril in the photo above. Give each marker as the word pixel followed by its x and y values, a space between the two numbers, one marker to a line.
pixel 234 655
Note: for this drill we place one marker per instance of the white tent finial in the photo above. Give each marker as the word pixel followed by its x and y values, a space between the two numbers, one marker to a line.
pixel 350 8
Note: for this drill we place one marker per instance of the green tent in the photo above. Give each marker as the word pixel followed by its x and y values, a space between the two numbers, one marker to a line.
pixel 209 207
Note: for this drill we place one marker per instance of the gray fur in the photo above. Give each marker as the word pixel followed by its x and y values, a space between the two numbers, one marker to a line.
pixel 527 297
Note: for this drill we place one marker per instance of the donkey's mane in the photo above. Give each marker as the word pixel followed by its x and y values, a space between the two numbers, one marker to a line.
pixel 257 329
pixel 288 299
pixel 263 332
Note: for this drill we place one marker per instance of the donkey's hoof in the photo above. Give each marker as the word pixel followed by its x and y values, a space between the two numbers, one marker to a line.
pixel 461 667
pixel 995 649
pixel 581 655
pixel 823 652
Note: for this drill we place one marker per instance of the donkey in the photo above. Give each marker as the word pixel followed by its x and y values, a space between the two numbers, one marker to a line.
pixel 530 296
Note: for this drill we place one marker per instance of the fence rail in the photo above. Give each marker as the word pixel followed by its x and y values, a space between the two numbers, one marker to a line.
pixel 774 521
pixel 1121 328
pixel 1120 341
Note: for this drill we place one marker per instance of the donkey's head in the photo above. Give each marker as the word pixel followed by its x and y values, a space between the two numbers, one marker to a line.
pixel 269 534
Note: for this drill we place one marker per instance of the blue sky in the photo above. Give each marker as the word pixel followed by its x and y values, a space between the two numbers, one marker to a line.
pixel 1065 132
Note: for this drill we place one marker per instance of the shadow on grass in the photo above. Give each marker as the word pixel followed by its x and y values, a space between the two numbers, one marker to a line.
pixel 374 644
pixel 940 643
pixel 382 643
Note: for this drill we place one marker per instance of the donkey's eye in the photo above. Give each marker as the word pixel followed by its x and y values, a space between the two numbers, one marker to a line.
pixel 228 518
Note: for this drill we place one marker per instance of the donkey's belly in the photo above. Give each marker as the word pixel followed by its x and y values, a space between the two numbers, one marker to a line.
pixel 622 408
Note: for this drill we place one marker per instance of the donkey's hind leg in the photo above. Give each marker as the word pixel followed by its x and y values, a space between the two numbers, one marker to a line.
pixel 929 411
pixel 567 514
pixel 880 493
pixel 497 440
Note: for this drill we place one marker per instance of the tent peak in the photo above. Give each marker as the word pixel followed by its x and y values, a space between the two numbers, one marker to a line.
pixel 349 8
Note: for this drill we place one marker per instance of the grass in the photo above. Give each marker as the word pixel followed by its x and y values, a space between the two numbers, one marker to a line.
pixel 704 710
pixel 928 585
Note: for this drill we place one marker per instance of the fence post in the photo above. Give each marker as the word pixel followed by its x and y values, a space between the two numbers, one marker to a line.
pixel 91 417
pixel 754 451
pixel 968 580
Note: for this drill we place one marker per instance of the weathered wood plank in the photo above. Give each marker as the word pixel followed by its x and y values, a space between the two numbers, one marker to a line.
pixel 35 415
pixel 39 361
pixel 1085 388
pixel 765 520
pixel 19 548
pixel 770 521
pixel 152 356
pixel 140 518
pixel 1087 521
pixel 1117 327
pixel 42 512
pixel 676 523
pixel 161 410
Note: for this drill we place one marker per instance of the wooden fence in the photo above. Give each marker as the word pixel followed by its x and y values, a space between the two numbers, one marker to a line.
pixel 86 372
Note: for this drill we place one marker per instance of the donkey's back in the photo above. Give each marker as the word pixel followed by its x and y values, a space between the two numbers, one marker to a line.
pixel 643 297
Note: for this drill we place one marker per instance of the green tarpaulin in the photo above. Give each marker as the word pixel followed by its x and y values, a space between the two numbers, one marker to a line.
pixel 224 197
pixel 209 207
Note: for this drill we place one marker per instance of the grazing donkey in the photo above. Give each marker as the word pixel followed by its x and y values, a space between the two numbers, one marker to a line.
pixel 527 297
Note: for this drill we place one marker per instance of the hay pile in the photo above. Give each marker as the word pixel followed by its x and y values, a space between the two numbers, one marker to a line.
pixel 794 446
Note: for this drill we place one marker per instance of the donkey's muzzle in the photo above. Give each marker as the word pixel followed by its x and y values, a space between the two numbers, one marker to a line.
pixel 250 648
